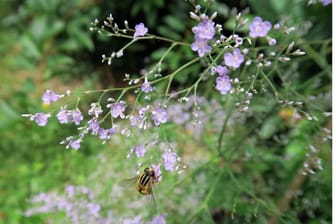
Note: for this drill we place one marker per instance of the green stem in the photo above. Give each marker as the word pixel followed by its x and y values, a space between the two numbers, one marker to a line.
pixel 204 205
pixel 230 105
pixel 270 84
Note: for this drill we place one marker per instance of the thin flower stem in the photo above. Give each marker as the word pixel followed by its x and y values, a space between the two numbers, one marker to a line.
pixel 165 54
pixel 136 102
pixel 128 44
pixel 171 76
pixel 147 37
pixel 208 197
pixel 276 93
pixel 229 107
pixel 101 96
pixel 267 206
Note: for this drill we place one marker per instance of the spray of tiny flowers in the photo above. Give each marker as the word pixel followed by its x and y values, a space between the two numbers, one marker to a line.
pixel 238 66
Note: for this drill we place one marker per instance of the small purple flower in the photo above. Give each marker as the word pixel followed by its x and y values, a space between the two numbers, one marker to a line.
pixel 135 120
pixel 140 30
pixel 93 208
pixel 49 96
pixel 201 46
pixel 117 109
pixel 76 116
pixel 170 160
pixel 63 115
pixel 325 2
pixel 157 173
pixel 223 84
pixel 234 59
pixel 70 191
pixel 135 220
pixel 106 133
pixel 74 144
pixel 258 28
pixel 221 70
pixel 139 150
pixel 159 116
pixel 103 133
pixel 41 119
pixel 204 30
pixel 146 87
pixel 159 219
pixel 177 113
pixel 93 126
pixel 95 110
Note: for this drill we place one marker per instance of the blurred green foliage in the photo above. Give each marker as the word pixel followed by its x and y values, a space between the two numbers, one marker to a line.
pixel 262 158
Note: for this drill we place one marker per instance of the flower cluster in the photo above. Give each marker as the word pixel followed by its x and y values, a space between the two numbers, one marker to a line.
pixel 41 119
pixel 227 59
pixel 157 114
pixel 80 205
pixel 170 159
pixel 204 32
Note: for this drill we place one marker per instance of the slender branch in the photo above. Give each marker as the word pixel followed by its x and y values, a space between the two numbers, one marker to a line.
pixel 229 107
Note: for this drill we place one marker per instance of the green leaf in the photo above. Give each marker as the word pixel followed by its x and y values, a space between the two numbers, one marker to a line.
pixel 175 23
pixel 30 48
pixel 60 60
pixel 166 31
pixel 279 6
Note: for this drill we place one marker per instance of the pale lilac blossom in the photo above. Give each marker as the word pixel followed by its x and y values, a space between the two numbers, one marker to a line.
pixel 140 30
pixel 63 115
pixel 159 116
pixel 135 120
pixel 159 219
pixel 106 133
pixel 135 220
pixel 76 116
pixel 221 70
pixel 223 84
pixel 50 96
pixel 204 30
pixel 117 109
pixel 258 28
pixel 201 46
pixel 157 173
pixel 93 126
pixel 139 150
pixel 95 109
pixel 146 87
pixel 41 119
pixel 74 144
pixel 77 204
pixel 234 59
pixel 93 208
pixel 170 160
pixel 178 113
